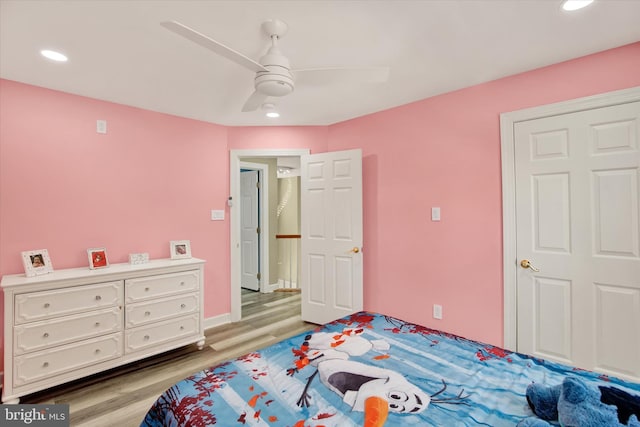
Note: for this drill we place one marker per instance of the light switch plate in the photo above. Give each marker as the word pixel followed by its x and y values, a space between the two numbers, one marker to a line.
pixel 217 215
pixel 435 214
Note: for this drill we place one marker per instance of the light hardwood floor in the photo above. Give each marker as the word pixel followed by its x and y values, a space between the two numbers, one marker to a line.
pixel 122 396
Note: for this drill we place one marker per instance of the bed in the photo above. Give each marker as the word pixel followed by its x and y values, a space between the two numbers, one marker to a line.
pixel 345 373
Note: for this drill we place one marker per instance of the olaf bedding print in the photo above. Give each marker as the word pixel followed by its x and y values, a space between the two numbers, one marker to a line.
pixel 369 370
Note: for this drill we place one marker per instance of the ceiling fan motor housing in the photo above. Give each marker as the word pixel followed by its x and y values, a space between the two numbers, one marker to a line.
pixel 277 80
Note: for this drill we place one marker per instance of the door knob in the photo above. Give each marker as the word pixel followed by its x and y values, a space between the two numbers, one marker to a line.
pixel 526 264
pixel 355 250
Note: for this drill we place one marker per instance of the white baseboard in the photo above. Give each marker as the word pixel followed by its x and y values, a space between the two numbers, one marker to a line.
pixel 271 287
pixel 285 284
pixel 221 319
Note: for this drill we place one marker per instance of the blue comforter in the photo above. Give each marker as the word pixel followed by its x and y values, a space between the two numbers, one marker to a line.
pixel 366 369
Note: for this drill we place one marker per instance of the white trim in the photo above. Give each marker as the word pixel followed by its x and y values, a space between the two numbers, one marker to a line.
pixel 263 219
pixel 234 215
pixel 507 123
pixel 219 320
pixel 272 287
pixel 287 284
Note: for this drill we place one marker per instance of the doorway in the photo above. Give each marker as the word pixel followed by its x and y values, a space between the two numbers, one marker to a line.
pixel 571 231
pixel 268 247
pixel 252 223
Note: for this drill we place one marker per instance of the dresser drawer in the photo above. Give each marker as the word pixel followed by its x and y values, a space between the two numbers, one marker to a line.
pixel 161 332
pixel 38 366
pixel 160 309
pixel 162 285
pixel 63 330
pixel 30 307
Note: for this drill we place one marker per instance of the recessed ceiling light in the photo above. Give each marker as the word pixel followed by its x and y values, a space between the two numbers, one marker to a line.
pixel 53 55
pixel 571 5
pixel 273 114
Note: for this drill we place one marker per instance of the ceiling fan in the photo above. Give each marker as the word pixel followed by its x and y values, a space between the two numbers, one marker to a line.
pixel 274 76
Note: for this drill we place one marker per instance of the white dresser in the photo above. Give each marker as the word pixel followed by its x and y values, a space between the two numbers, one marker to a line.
pixel 72 323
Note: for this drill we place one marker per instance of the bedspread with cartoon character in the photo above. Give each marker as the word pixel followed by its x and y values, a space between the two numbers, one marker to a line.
pixel 369 370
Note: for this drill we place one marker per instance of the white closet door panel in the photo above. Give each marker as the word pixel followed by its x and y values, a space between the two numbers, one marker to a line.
pixel 577 201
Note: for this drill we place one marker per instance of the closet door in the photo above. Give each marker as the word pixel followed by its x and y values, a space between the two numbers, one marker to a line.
pixel 577 201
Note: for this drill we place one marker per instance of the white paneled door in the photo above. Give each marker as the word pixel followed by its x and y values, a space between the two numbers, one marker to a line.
pixel 578 226
pixel 331 244
pixel 249 234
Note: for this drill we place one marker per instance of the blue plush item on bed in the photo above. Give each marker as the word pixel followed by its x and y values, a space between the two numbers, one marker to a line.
pixel 324 377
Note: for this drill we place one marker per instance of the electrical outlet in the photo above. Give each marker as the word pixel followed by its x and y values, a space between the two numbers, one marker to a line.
pixel 437 311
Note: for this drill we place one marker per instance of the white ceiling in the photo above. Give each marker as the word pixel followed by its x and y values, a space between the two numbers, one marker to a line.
pixel 119 52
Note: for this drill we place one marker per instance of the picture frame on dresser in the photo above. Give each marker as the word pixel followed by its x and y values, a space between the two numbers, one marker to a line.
pixel 180 249
pixel 36 262
pixel 97 258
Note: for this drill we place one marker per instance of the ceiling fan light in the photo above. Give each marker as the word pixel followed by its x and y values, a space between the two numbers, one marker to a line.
pixel 53 55
pixel 571 5
pixel 270 110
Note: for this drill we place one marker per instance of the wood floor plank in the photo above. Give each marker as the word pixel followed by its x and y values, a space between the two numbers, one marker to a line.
pixel 121 397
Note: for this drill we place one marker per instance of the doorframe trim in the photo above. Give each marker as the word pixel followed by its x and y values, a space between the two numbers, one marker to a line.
pixel 263 220
pixel 507 150
pixel 235 157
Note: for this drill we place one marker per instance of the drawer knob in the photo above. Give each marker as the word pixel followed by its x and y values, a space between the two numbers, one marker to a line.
pixel 182 283
pixel 47 305
pixel 147 313
pixel 97 324
pixel 146 337
pixel 98 297
pixel 183 305
pixel 146 289
pixel 97 351
pixel 182 328
pixel 46 335
pixel 45 364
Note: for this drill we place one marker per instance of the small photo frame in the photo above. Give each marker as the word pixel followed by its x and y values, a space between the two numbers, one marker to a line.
pixel 180 249
pixel 36 262
pixel 135 259
pixel 97 258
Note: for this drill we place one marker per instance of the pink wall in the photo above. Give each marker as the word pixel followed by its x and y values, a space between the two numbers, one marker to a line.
pixel 149 180
pixel 65 188
pixel 445 151
pixel 278 137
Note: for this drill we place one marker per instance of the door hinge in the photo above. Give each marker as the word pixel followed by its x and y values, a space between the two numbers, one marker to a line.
pixel 258 184
pixel 258 276
pixel 258 230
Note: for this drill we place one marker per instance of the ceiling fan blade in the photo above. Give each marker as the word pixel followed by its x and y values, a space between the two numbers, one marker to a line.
pixel 255 100
pixel 320 76
pixel 212 45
